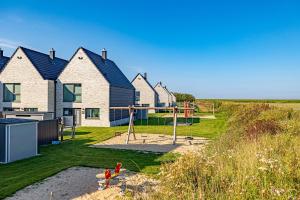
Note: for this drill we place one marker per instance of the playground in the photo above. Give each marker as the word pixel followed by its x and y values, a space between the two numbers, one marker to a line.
pixel 58 170
pixel 154 143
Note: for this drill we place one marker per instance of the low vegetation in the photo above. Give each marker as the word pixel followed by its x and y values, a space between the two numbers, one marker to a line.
pixel 257 158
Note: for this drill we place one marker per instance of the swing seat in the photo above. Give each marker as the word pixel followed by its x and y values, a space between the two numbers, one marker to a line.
pixel 189 138
pixel 118 133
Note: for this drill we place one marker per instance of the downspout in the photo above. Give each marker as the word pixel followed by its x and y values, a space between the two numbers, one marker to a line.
pixel 55 99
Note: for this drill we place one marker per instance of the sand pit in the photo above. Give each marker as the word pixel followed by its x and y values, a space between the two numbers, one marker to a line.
pixel 80 183
pixel 154 143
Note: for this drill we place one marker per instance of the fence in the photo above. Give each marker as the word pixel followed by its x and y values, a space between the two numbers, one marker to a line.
pixel 47 131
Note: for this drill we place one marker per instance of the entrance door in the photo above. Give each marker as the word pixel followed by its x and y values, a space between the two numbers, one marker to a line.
pixel 77 116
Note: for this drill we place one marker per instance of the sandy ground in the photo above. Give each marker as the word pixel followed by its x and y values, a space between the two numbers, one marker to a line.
pixel 80 183
pixel 154 143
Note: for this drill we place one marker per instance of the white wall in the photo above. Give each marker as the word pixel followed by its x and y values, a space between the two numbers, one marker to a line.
pixel 147 95
pixel 95 89
pixel 35 91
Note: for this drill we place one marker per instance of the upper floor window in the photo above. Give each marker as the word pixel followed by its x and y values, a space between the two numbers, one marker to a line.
pixel 137 96
pixel 72 93
pixel 11 92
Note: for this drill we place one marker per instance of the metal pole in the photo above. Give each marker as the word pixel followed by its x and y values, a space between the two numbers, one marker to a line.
pixel 130 124
pixel 174 124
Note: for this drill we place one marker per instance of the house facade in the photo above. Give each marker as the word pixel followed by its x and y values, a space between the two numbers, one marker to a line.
pixel 28 81
pixel 145 94
pixel 88 86
pixel 163 95
pixel 173 99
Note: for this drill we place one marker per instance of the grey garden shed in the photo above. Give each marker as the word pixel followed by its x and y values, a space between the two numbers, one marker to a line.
pixel 18 139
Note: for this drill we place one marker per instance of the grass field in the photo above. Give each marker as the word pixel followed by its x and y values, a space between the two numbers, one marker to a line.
pixel 255 100
pixel 281 103
pixel 55 158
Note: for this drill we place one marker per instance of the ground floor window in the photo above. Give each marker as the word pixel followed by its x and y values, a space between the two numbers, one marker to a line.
pixel 137 96
pixel 68 112
pixel 30 109
pixel 92 113
pixel 10 109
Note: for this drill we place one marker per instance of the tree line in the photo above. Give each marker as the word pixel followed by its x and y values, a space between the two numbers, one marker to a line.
pixel 180 97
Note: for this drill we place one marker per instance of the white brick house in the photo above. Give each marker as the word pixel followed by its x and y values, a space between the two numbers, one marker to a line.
pixel 145 94
pixel 28 81
pixel 164 97
pixel 89 85
pixel 171 98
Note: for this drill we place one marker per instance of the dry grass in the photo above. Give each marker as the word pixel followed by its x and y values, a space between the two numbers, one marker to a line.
pixel 239 167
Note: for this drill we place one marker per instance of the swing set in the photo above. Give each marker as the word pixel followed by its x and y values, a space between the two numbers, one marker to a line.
pixel 135 112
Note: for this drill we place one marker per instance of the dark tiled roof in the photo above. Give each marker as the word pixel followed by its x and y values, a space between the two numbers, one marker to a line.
pixel 48 68
pixel 3 61
pixel 109 70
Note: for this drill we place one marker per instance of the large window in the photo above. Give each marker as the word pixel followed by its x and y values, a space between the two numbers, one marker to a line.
pixel 137 96
pixel 72 92
pixel 92 113
pixel 11 92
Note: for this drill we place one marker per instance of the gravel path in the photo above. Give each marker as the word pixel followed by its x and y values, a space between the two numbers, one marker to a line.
pixel 80 183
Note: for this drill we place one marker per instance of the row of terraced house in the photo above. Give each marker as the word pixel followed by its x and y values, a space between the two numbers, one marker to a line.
pixel 84 87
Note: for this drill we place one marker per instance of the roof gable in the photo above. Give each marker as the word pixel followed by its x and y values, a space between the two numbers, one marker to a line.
pixel 147 82
pixel 3 61
pixel 49 69
pixel 109 70
pixel 162 87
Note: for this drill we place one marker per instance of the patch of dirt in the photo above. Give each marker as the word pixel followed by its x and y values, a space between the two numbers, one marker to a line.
pixel 80 183
pixel 154 143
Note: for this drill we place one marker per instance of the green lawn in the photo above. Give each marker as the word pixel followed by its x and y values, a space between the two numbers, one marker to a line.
pixel 55 158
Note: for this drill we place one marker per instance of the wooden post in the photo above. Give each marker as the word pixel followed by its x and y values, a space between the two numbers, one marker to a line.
pixel 131 125
pixel 213 109
pixel 61 126
pixel 174 124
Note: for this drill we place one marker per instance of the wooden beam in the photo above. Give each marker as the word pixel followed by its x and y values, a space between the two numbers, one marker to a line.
pixel 149 108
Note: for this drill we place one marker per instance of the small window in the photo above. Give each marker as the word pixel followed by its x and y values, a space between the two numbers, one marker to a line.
pixel 137 96
pixel 92 113
pixel 12 92
pixel 145 105
pixel 68 112
pixel 72 93
pixel 10 109
pixel 30 109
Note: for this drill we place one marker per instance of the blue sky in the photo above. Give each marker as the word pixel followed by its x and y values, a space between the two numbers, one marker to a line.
pixel 212 49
